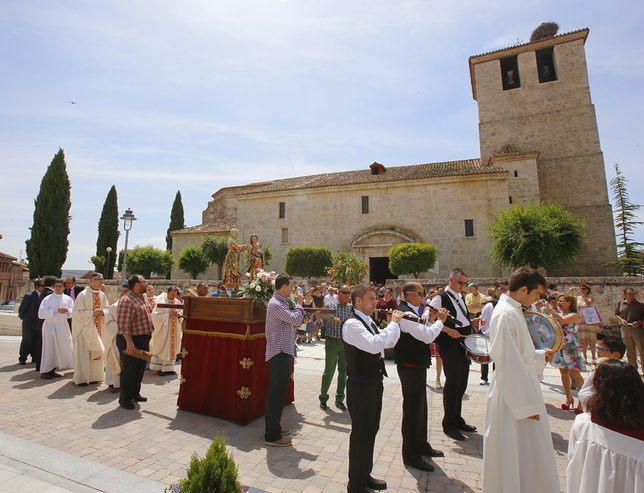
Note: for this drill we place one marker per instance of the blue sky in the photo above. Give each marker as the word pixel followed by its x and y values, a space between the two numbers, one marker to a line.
pixel 199 95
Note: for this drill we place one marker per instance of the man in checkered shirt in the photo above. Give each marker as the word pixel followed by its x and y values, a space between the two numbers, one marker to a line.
pixel 281 321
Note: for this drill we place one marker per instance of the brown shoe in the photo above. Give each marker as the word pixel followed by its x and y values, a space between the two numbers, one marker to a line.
pixel 282 442
pixel 285 431
pixel 54 374
pixel 46 376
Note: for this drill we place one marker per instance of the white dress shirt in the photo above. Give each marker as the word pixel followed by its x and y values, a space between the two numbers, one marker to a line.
pixel 356 334
pixel 437 302
pixel 423 332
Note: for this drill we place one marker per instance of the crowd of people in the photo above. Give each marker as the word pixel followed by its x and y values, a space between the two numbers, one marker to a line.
pixel 66 326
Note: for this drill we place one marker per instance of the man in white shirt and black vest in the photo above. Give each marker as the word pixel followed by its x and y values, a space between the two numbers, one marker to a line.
pixel 455 363
pixel 413 357
pixel 363 346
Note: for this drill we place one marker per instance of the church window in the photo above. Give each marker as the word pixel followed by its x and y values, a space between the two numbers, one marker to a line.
pixel 284 235
pixel 510 73
pixel 469 227
pixel 282 210
pixel 365 204
pixel 510 198
pixel 516 174
pixel 546 65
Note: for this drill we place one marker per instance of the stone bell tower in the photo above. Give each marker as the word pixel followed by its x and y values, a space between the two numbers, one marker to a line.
pixel 537 120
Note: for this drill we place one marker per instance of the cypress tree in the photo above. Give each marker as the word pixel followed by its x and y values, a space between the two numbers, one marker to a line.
pixel 176 220
pixel 47 247
pixel 108 234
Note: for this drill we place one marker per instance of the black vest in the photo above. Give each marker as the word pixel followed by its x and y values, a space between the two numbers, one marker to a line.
pixel 410 350
pixel 443 338
pixel 360 364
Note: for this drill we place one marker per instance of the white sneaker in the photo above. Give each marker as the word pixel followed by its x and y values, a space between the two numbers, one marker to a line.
pixel 483 382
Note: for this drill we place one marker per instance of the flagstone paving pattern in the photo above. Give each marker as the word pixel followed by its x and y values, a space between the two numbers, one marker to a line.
pixel 156 440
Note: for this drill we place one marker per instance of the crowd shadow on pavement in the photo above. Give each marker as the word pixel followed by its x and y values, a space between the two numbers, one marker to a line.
pixel 69 390
pixel 103 397
pixel 116 417
pixel 423 480
pixel 283 462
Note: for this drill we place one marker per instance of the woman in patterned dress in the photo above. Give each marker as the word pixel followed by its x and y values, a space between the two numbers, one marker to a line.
pixel 569 359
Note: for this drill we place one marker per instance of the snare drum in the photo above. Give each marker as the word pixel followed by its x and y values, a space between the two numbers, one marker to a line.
pixel 477 348
pixel 545 332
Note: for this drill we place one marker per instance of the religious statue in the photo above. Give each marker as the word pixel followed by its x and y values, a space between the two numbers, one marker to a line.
pixel 232 277
pixel 255 255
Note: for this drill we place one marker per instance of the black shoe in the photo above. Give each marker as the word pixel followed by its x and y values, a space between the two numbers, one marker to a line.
pixel 432 452
pixel 355 490
pixel 323 406
pixel 376 484
pixel 160 373
pixel 126 405
pixel 420 464
pixel 455 435
pixel 140 398
pixel 22 361
pixel 82 384
pixel 114 390
pixel 167 373
pixel 469 428
pixel 342 407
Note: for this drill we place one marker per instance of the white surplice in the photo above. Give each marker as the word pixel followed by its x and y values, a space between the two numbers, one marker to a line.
pixel 165 343
pixel 56 339
pixel 603 460
pixel 518 455
pixel 112 356
pixel 86 335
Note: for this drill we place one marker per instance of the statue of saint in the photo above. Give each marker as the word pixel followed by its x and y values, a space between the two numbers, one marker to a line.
pixel 255 255
pixel 232 277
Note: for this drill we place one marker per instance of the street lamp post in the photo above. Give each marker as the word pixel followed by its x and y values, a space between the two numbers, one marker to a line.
pixel 107 265
pixel 128 218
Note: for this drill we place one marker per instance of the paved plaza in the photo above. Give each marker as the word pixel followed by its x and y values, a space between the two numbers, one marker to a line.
pixel 57 437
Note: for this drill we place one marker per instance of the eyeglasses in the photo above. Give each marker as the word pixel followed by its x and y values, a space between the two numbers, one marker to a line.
pixel 461 283
pixel 345 292
pixel 421 294
pixel 601 349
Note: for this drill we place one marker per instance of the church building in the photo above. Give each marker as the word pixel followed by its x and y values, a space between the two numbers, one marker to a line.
pixel 539 142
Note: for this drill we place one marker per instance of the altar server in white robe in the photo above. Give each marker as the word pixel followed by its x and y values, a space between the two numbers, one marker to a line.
pixel 112 356
pixel 518 455
pixel 55 310
pixel 606 445
pixel 88 323
pixel 166 338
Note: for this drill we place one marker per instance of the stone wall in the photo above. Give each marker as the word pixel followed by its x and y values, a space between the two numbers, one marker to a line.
pixel 427 210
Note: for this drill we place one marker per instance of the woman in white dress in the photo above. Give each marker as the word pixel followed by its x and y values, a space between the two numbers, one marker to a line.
pixel 55 310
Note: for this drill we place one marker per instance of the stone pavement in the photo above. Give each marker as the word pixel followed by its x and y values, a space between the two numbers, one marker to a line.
pixel 89 437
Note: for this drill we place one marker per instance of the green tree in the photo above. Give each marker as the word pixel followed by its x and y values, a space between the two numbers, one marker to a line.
pixel 216 472
pixel 347 268
pixel 193 260
pixel 411 258
pixel 47 247
pixel 308 261
pixel 629 253
pixel 177 220
pixel 539 235
pixel 268 255
pixel 215 248
pixel 144 260
pixel 108 234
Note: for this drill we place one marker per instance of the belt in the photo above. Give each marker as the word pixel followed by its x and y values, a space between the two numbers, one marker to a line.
pixel 337 339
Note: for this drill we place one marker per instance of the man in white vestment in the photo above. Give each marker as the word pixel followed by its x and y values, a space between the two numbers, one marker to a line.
pixel 165 343
pixel 112 356
pixel 88 323
pixel 518 456
pixel 55 310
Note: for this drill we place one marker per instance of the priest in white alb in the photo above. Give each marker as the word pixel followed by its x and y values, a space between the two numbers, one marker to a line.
pixel 55 310
pixel 166 338
pixel 88 323
pixel 518 455
pixel 112 355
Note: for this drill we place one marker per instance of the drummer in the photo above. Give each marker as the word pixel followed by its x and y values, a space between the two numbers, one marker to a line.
pixel 412 358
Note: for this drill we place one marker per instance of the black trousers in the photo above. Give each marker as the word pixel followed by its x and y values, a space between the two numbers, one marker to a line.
pixel 279 367
pixel 133 368
pixel 365 404
pixel 457 370
pixel 414 418
pixel 31 343
pixel 485 369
